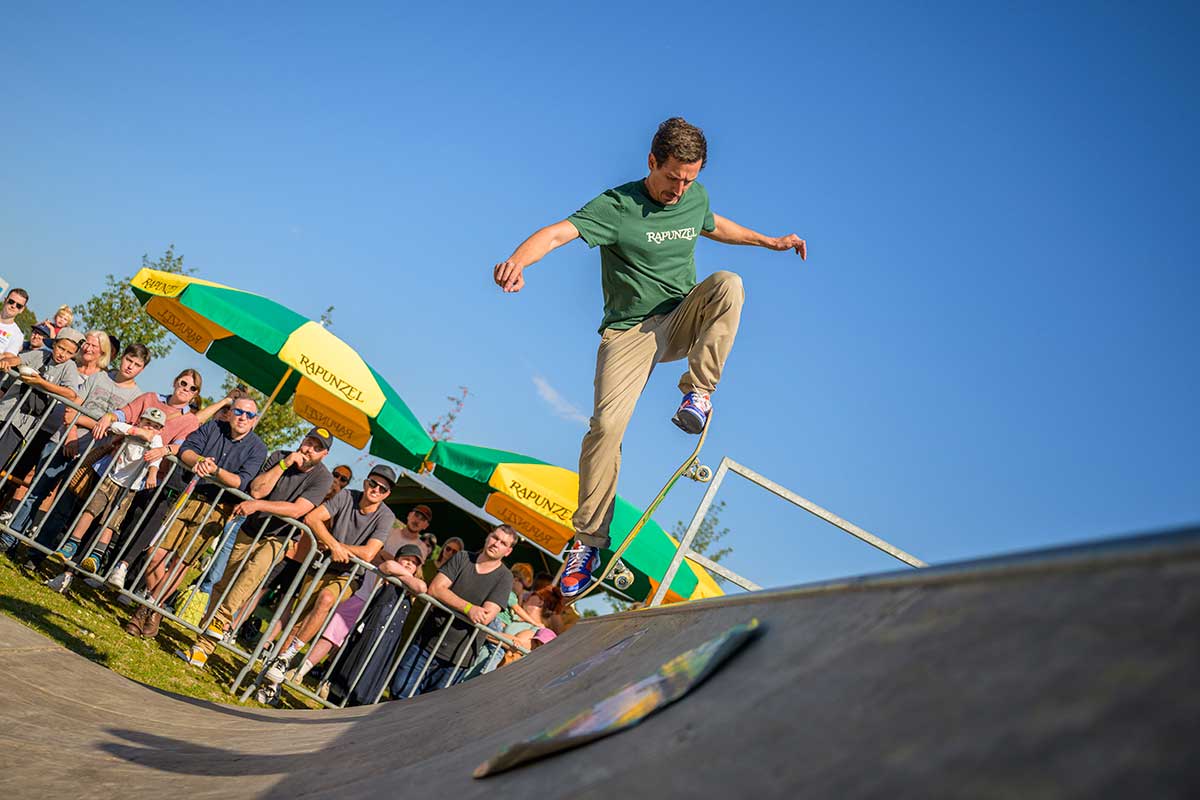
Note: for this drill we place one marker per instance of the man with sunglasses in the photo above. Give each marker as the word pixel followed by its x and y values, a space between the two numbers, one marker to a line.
pixel 11 337
pixel 229 454
pixel 351 524
pixel 291 484
pixel 342 476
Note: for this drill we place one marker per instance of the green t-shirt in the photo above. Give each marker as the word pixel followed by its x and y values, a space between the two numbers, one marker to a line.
pixel 647 250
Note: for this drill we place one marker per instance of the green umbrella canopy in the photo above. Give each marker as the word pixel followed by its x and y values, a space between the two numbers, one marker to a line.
pixel 287 356
pixel 538 499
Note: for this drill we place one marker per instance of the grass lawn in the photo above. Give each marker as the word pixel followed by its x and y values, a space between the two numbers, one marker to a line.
pixel 91 623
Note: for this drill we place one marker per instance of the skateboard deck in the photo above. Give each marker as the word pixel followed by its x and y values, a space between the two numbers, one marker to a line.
pixel 691 468
pixel 631 704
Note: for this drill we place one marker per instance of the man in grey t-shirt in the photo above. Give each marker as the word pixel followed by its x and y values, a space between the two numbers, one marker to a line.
pixel 351 523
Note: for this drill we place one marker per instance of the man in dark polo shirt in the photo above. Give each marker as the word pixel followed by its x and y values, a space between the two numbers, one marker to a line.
pixel 230 453
pixel 291 484
pixel 475 585
pixel 351 523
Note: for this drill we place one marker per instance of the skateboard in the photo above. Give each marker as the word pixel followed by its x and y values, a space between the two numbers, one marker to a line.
pixel 621 575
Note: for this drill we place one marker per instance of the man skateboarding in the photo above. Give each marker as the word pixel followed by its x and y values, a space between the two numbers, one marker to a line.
pixel 654 311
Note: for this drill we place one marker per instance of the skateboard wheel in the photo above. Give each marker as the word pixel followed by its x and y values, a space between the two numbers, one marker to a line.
pixel 703 474
pixel 623 580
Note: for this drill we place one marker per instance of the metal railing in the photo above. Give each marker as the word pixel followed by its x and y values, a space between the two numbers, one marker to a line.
pixel 289 610
pixel 685 551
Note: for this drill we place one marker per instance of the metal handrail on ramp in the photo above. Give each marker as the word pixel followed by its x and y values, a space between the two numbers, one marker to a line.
pixel 685 551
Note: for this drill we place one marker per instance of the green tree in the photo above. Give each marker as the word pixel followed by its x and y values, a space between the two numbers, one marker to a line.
pixel 26 320
pixel 115 310
pixel 709 535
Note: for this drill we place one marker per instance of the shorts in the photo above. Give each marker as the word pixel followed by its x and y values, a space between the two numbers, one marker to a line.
pixel 109 491
pixel 343 620
pixel 179 537
pixel 341 582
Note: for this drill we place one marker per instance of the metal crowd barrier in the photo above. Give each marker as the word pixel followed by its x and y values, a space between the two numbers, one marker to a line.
pixel 314 564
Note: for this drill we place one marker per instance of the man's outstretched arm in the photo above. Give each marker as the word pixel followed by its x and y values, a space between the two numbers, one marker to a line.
pixel 508 273
pixel 729 232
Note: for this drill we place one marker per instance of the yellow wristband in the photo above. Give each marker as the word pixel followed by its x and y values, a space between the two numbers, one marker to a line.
pixel 467 610
pixel 282 465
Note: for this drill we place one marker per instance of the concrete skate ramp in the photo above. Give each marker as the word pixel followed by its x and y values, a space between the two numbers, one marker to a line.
pixel 1070 673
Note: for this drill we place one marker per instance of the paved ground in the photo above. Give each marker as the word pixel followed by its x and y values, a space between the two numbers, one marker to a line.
pixel 1070 673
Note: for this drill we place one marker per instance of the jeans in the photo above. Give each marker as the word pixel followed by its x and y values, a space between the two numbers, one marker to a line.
pixel 38 492
pixel 410 669
pixel 221 559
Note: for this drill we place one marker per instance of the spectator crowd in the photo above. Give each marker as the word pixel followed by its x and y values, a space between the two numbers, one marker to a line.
pixel 180 508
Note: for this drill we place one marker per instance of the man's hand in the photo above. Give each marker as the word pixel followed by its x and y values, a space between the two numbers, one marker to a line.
pixel 790 242
pixel 509 275
pixel 339 553
pixel 205 467
pixel 155 453
pixel 246 508
pixel 294 459
pixel 477 615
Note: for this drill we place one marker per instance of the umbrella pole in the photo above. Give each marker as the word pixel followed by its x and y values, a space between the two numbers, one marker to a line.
pixel 275 393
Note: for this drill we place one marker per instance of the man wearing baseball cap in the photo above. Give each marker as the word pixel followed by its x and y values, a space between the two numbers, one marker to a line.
pixel 291 484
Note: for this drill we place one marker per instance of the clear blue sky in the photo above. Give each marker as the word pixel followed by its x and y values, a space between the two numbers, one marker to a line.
pixel 991 347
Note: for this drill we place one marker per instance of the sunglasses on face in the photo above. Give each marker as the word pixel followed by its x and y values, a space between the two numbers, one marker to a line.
pixel 187 387
pixel 340 478
pixel 377 486
pixel 241 412
pixel 17 304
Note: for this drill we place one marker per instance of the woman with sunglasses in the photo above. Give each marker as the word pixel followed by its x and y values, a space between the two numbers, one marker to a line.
pixel 182 421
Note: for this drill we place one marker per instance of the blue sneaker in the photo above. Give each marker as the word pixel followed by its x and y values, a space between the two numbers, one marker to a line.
pixel 582 561
pixel 92 563
pixel 65 553
pixel 693 412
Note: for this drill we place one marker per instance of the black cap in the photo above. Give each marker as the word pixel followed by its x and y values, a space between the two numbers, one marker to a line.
pixel 413 550
pixel 322 435
pixel 385 472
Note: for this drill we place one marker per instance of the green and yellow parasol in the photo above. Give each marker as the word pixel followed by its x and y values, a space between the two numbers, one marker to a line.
pixel 286 355
pixel 539 499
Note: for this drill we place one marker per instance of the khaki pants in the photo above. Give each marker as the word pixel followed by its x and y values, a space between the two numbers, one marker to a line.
pixel 259 559
pixel 702 329
pixel 179 537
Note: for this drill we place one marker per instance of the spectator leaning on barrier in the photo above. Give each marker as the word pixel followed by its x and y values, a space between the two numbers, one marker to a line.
pixel 130 471
pixel 290 485
pixel 231 454
pixel 102 393
pixel 52 375
pixel 352 523
pixel 473 584
pixel 363 671
pixel 181 423
pixel 11 337
pixel 39 338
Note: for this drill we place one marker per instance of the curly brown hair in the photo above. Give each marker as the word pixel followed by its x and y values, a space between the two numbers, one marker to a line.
pixel 678 137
